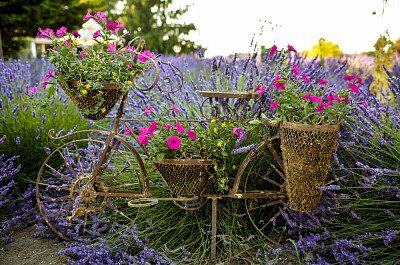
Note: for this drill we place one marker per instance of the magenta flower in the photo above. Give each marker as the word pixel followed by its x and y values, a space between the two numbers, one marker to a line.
pixel 33 89
pixel 305 78
pixel 291 48
pixel 87 16
pixel 359 80
pixel 144 130
pixel 167 126
pixel 322 82
pixel 348 77
pixel 333 98
pixel 274 105
pixel 61 31
pixel 143 139
pixel 152 128
pixel 145 53
pixel 45 33
pixel 191 135
pixel 296 70
pixel 273 50
pixel 354 88
pixel 179 128
pixel 312 98
pixel 129 65
pixel 260 89
pixel 128 132
pixel 364 103
pixel 345 99
pixel 279 85
pixel 96 34
pixel 111 48
pixel 173 142
pixel 174 109
pixel 76 34
pixel 322 106
pixel 100 15
pixel 147 111
pixel 112 27
pixel 48 75
pixel 119 24
pixel 237 131
pixel 44 84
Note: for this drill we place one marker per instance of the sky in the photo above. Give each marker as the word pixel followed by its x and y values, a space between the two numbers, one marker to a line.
pixel 228 26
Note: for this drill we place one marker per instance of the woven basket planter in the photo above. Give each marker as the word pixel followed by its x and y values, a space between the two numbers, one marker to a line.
pixel 307 152
pixel 186 177
pixel 111 92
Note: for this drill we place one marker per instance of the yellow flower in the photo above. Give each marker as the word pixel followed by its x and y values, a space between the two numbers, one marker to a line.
pixel 149 152
pixel 212 120
pixel 234 167
pixel 219 144
pixel 97 79
pixel 215 129
pixel 114 73
pixel 84 91
pixel 208 129
pixel 100 92
pixel 88 86
pixel 94 65
pixel 103 110
pixel 123 49
pixel 131 73
pixel 223 125
pixel 129 82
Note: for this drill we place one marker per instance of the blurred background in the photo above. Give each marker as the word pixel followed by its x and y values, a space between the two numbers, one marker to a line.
pixel 222 27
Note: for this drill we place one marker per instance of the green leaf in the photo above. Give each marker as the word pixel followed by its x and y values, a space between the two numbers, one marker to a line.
pixel 350 118
pixel 160 156
pixel 255 122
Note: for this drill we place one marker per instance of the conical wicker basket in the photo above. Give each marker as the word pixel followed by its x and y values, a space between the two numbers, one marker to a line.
pixel 186 177
pixel 111 92
pixel 307 151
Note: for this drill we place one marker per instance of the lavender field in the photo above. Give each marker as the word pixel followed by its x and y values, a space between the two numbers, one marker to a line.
pixel 357 221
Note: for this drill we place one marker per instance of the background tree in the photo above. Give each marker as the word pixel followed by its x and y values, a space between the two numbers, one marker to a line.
pixel 20 18
pixel 158 25
pixel 325 49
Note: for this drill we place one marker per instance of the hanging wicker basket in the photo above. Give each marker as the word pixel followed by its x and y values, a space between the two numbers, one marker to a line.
pixel 186 177
pixel 110 92
pixel 307 151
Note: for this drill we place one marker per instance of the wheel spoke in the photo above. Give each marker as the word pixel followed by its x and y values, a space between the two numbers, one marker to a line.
pixel 68 165
pixel 57 199
pixel 55 186
pixel 58 173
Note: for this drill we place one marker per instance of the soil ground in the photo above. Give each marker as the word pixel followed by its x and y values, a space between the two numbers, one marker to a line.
pixel 26 250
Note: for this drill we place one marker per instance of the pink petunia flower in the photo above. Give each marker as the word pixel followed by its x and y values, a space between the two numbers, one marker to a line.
pixel 152 128
pixel 100 15
pixel 322 106
pixel 129 65
pixel 322 82
pixel 334 99
pixel 87 16
pixel 173 142
pixel 305 78
pixel 348 77
pixel 273 50
pixel 291 48
pixel 147 111
pixel 260 89
pixel 96 34
pixel 45 33
pixel 312 98
pixel 279 85
pixel 296 70
pixel 179 128
pixel 128 132
pixel 174 109
pixel 76 34
pixel 111 48
pixel 167 126
pixel 112 27
pixel 61 31
pixel 142 138
pixel 238 132
pixel 48 75
pixel 274 105
pixel 44 84
pixel 191 135
pixel 359 80
pixel 33 89
pixel 144 58
pixel 364 103
pixel 354 88
pixel 345 99
pixel 120 25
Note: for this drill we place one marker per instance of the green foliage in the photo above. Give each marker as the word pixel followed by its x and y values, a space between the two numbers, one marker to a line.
pixel 26 132
pixel 159 26
pixel 22 18
pixel 325 49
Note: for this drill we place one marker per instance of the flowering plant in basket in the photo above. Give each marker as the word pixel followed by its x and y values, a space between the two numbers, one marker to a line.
pixel 297 96
pixel 85 70
pixel 174 139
